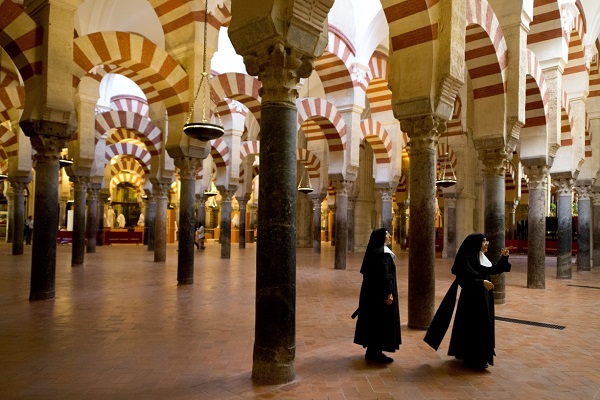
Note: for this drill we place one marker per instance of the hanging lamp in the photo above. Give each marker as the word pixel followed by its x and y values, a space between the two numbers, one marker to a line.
pixel 203 130
pixel 3 176
pixel 447 177
pixel 64 160
pixel 304 185
pixel 212 190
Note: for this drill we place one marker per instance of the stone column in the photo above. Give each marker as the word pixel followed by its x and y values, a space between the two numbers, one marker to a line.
pixel 253 220
pixel 512 209
pixel 450 225
pixel 536 220
pixel 43 259
pixel 62 218
pixel 402 212
pixel 92 217
pixel 151 220
pixel 18 215
pixel 80 186
pixel 242 203
pixel 351 205
pixel 103 199
pixel 187 220
pixel 342 188
pixel 317 199
pixel 424 133
pixel 564 214
pixel 332 227
pixel 11 216
pixel 201 214
pixel 161 192
pixel 583 227
pixel 227 196
pixel 596 228
pixel 494 169
pixel 387 195
pixel 326 213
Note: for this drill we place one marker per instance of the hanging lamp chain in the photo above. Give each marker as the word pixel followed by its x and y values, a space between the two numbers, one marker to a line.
pixel 204 73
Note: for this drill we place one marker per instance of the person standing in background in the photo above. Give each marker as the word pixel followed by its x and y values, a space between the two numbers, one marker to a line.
pixel 28 229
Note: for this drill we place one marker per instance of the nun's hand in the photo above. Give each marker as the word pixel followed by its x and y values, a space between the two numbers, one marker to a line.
pixel 488 285
pixel 505 252
pixel 389 300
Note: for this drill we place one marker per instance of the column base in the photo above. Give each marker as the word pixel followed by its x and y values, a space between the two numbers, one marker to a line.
pixel 41 296
pixel 188 281
pixel 272 373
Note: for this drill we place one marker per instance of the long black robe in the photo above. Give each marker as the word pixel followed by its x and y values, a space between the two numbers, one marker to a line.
pixel 378 324
pixel 473 332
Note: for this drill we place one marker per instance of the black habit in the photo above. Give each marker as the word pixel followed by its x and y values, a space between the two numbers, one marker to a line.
pixel 378 324
pixel 473 332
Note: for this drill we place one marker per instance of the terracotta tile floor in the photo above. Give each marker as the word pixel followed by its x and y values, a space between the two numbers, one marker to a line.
pixel 120 328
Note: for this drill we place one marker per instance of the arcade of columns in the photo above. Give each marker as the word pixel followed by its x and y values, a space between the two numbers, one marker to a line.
pixel 514 93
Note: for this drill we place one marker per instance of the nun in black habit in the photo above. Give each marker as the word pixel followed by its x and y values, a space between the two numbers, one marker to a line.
pixel 378 324
pixel 473 332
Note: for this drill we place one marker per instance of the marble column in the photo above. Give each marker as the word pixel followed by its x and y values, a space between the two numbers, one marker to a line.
pixel 18 216
pixel 92 217
pixel 43 259
pixel 342 188
pixel 584 208
pixel 450 225
pixel 332 214
pixel 494 169
pixel 253 220
pixel 62 218
pixel 10 233
pixel 151 220
pixel 564 214
pixel 387 195
pixel 201 214
pixel 187 220
pixel 242 203
pixel 536 220
pixel 596 228
pixel 80 187
pixel 317 199
pixel 102 204
pixel 402 211
pixel 161 192
pixel 424 134
pixel 351 206
pixel 326 213
pixel 227 196
pixel 512 210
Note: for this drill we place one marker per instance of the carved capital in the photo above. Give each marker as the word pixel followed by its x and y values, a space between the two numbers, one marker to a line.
pixel 188 167
pixel 596 199
pixel 161 190
pixel 228 194
pixel 387 194
pixel 18 186
pixel 564 187
pixel 317 199
pixel 423 132
pixel 93 193
pixel 80 183
pixel 494 161
pixel 583 192
pixel 450 202
pixel 342 187
pixel 537 176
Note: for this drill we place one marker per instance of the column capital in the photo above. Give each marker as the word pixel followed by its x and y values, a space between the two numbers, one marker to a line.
pixel 342 187
pixel 18 185
pixel 537 176
pixel 93 192
pixel 595 198
pixel 423 131
pixel 450 202
pixel 227 194
pixel 583 191
pixel 160 190
pixel 80 182
pixel 494 161
pixel 387 194
pixel 564 186
pixel 188 167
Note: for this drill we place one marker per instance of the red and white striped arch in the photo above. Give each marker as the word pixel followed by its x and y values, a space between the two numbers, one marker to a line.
pixel 136 180
pixel 380 97
pixel 402 184
pixel 240 87
pixel 147 132
pixel 12 99
pixel 129 149
pixel 537 96
pixel 220 153
pixel 576 65
pixel 229 106
pixel 157 74
pixel 566 122
pixel 409 22
pixel 249 147
pixel 454 125
pixel 131 103
pixel 311 162
pixel 375 134
pixel 485 50
pixel 22 39
pixel 126 163
pixel 594 88
pixel 326 116
pixel 335 64
pixel 8 141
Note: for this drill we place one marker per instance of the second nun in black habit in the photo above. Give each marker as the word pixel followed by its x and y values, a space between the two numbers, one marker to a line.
pixel 378 324
pixel 473 332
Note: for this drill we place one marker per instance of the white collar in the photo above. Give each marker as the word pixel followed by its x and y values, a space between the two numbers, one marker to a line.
pixel 387 250
pixel 483 260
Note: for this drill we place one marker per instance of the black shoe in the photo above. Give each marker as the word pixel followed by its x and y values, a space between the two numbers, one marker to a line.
pixel 475 364
pixel 379 358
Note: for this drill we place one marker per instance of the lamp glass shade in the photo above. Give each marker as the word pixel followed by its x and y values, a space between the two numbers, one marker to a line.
pixel 203 131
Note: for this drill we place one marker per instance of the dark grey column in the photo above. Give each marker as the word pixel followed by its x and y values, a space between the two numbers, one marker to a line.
pixel 584 208
pixel 387 195
pixel 351 205
pixel 43 259
pixel 565 227
pixel 512 210
pixel 201 213
pixel 424 134
pixel 253 220
pixel 596 227
pixel 494 162
pixel 342 189
pixel 80 186
pixel 332 212
pixel 450 214
pixel 227 195
pixel 11 216
pixel 161 192
pixel 402 211
pixel 317 199
pixel 18 215
pixel 326 223
pixel 92 217
pixel 103 199
pixel 536 220
pixel 242 203
pixel 62 217
pixel 151 220
pixel 187 220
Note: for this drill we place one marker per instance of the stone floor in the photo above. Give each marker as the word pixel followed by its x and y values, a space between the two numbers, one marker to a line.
pixel 121 328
